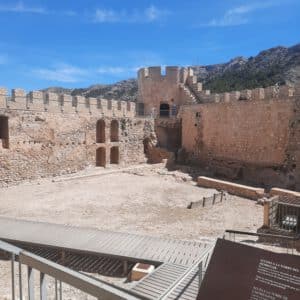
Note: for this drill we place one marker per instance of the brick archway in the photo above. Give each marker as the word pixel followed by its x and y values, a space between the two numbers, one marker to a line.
pixel 114 155
pixel 114 131
pixel 101 157
pixel 100 131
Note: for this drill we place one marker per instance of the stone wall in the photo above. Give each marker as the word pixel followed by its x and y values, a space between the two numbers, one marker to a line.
pixel 46 143
pixel 171 88
pixel 255 139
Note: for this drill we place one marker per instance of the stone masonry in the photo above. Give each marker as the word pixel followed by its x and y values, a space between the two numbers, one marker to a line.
pixel 45 134
pixel 251 136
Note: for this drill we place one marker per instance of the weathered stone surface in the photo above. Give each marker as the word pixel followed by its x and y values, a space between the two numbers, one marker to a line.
pixel 284 192
pixel 232 188
pixel 46 144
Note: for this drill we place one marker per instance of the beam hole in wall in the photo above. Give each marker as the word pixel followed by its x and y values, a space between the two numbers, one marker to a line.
pixel 101 157
pixel 164 110
pixel 114 155
pixel 100 131
pixel 114 131
pixel 4 132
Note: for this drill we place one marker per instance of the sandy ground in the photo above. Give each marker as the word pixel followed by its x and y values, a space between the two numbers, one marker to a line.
pixel 144 200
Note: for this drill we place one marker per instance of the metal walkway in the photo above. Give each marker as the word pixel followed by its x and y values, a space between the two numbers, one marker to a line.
pixel 127 247
pixel 173 282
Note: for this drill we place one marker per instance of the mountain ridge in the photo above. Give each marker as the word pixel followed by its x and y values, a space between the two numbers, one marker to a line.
pixel 277 65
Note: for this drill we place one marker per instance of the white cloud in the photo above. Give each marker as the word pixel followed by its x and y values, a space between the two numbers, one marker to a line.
pixel 240 15
pixel 111 70
pixel 20 7
pixel 150 14
pixel 62 73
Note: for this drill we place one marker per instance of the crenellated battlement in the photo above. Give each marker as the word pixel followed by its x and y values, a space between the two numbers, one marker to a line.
pixel 151 80
pixel 269 93
pixel 63 103
pixel 172 74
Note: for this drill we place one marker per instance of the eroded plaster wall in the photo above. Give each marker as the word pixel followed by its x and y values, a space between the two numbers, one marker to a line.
pixel 244 140
pixel 44 144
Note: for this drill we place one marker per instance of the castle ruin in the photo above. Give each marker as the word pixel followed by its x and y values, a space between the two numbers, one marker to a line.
pixel 251 135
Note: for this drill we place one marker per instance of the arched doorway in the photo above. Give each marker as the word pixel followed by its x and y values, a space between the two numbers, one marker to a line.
pixel 164 110
pixel 114 155
pixel 101 157
pixel 100 131
pixel 114 131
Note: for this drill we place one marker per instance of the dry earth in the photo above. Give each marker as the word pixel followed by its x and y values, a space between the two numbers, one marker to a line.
pixel 144 200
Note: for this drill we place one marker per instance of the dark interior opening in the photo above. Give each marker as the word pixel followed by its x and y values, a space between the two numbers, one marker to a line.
pixel 100 131
pixel 164 110
pixel 4 134
pixel 114 131
pixel 100 157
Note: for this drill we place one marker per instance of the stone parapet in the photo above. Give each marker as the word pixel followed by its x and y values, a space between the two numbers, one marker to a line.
pixel 284 192
pixel 232 188
pixel 64 103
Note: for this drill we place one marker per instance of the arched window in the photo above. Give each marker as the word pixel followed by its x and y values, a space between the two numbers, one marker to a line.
pixel 114 155
pixel 114 131
pixel 100 157
pixel 164 110
pixel 4 134
pixel 100 131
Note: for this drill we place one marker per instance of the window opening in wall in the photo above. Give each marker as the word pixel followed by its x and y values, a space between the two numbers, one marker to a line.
pixel 100 131
pixel 114 155
pixel 164 110
pixel 4 134
pixel 100 157
pixel 114 131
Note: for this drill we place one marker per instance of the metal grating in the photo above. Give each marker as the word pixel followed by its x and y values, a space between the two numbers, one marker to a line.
pixel 172 281
pixel 121 246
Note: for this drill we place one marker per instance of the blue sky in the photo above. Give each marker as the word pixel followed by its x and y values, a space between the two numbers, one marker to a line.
pixel 84 42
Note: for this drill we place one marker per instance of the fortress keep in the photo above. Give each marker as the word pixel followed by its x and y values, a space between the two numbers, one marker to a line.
pixel 249 135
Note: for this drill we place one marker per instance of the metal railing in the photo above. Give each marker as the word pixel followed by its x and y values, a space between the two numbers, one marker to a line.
pixel 289 240
pixel 46 268
pixel 205 201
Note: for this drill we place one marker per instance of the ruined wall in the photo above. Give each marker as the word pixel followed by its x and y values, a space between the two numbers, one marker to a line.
pixel 251 136
pixel 52 134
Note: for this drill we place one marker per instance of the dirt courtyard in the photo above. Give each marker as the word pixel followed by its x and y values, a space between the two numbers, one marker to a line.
pixel 144 200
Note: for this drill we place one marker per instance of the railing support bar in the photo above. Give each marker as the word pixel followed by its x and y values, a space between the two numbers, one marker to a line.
pixel 13 276
pixel 20 281
pixel 30 276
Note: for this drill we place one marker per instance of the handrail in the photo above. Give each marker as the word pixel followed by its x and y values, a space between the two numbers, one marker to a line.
pixel 84 283
pixel 263 235
pixel 80 281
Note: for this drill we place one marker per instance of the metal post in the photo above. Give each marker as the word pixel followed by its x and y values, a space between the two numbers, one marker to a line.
pixel 30 283
pixel 56 290
pixel 43 287
pixel 13 276
pixel 60 291
pixel 20 281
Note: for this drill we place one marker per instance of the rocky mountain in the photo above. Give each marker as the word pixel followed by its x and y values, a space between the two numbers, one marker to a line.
pixel 125 90
pixel 277 65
